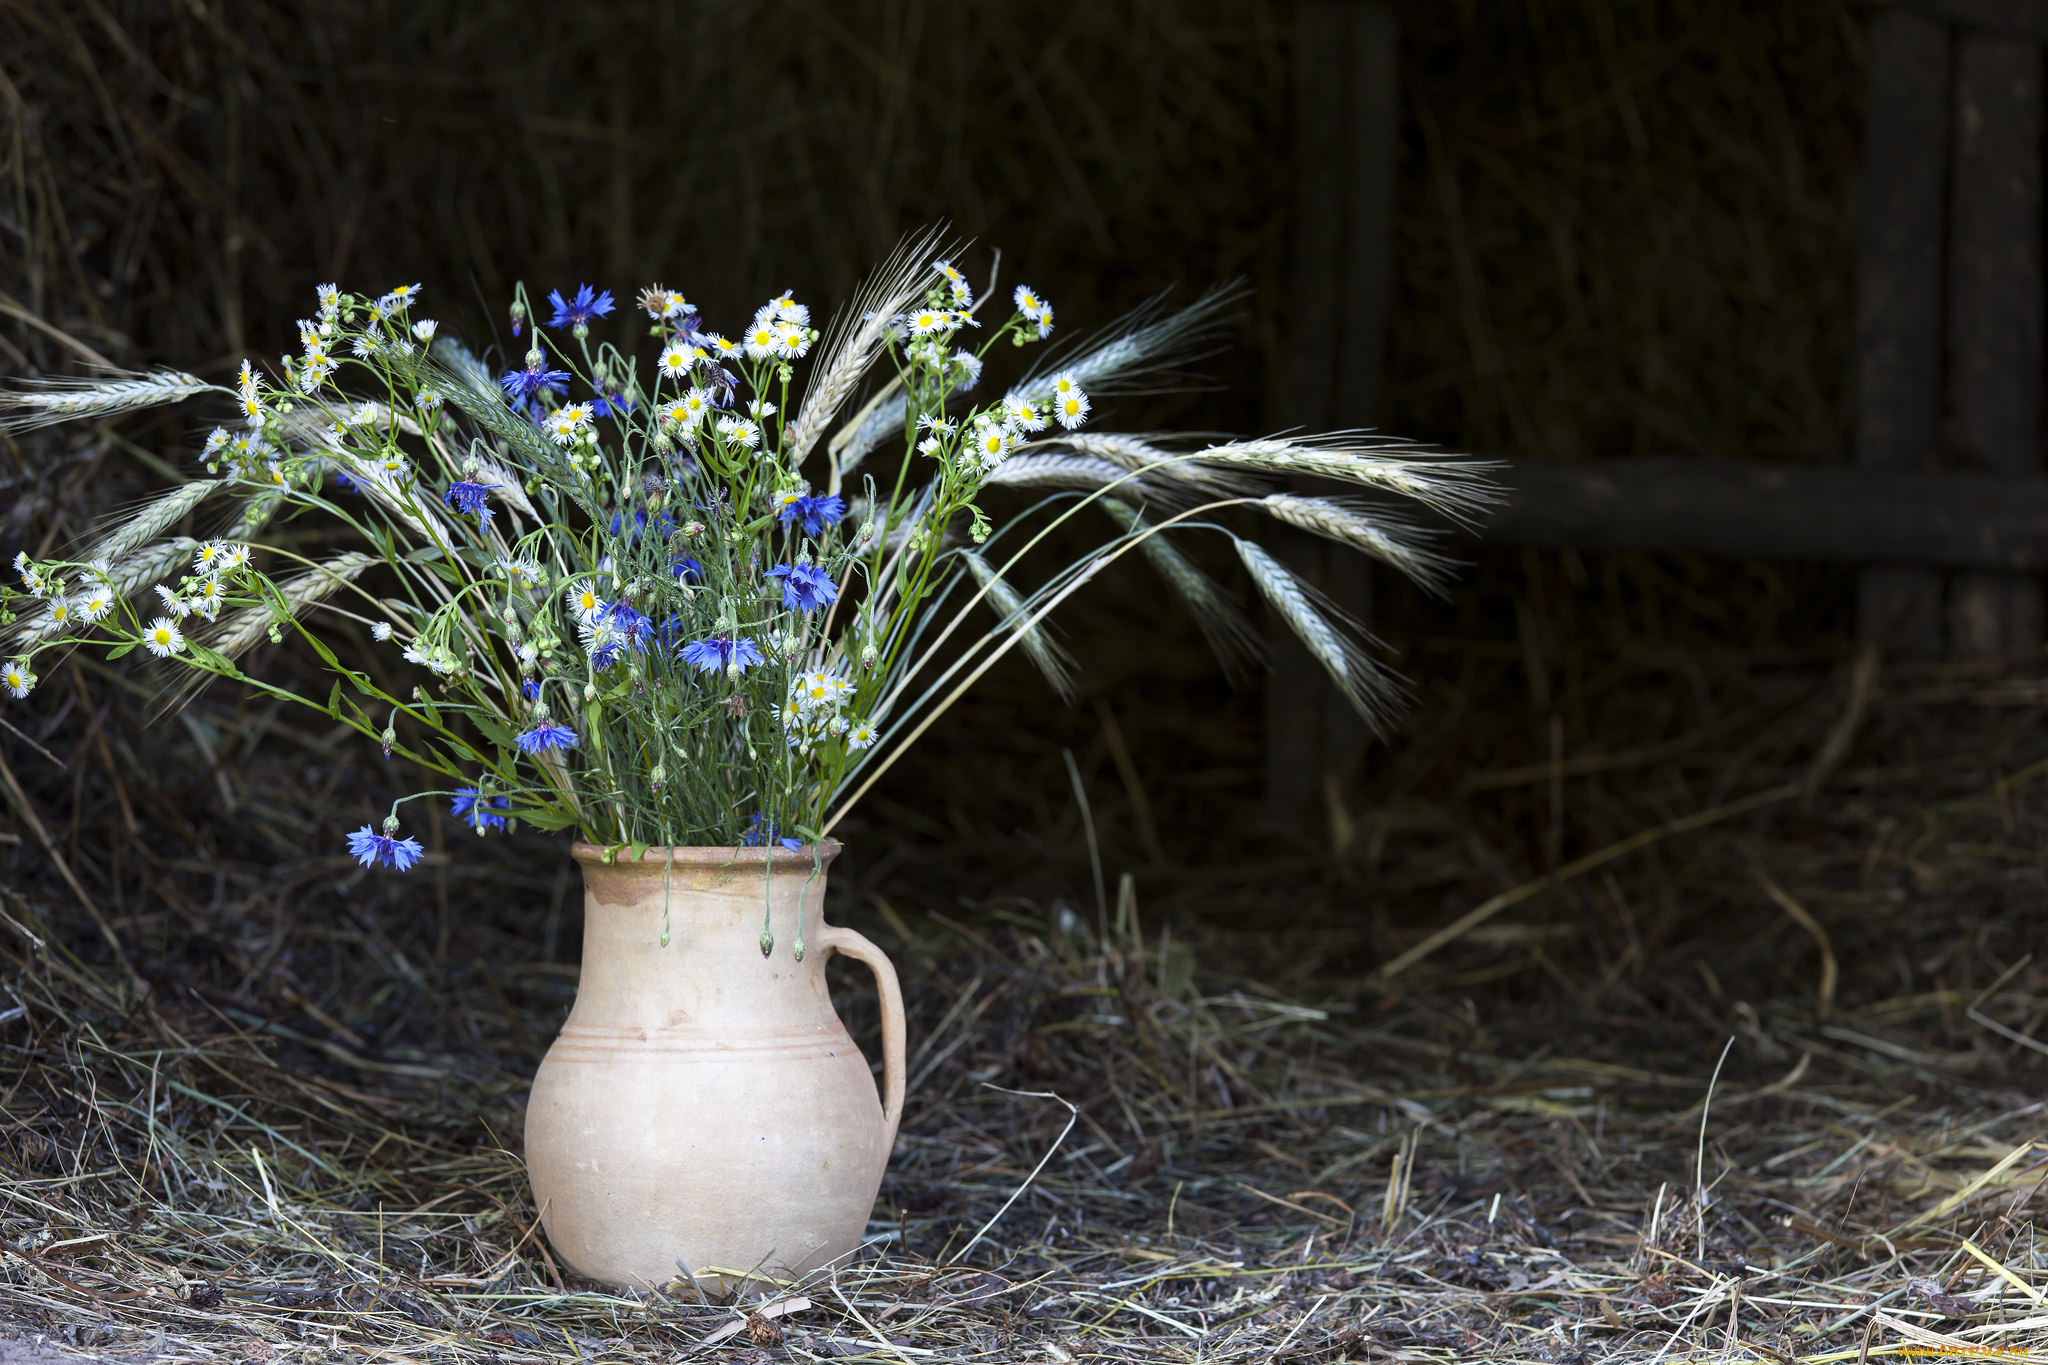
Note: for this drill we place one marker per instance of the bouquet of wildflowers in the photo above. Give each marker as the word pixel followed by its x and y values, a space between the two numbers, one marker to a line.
pixel 628 608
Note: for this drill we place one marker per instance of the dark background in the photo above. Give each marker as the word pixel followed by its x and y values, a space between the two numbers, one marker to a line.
pixel 1619 228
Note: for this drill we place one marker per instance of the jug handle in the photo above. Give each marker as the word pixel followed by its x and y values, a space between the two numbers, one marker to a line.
pixel 856 946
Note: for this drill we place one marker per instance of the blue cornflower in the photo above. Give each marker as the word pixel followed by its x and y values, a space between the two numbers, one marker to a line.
pixel 348 485
pixel 814 513
pixel 628 622
pixel 371 848
pixel 610 404
pixel 477 811
pixel 467 497
pixel 586 304
pixel 686 570
pixel 759 831
pixel 722 652
pixel 546 736
pixel 521 386
pixel 805 587
pixel 530 689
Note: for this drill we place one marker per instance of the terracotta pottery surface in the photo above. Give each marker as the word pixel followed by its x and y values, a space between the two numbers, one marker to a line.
pixel 702 1106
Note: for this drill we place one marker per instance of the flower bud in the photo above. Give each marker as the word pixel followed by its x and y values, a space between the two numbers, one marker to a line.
pixel 391 826
pixel 580 330
pixel 590 691
pixel 869 657
pixel 536 358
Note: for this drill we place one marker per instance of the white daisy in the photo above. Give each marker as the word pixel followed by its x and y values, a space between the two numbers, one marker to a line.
pixel 438 659
pixel 992 443
pixel 398 299
pixel 381 631
pixel 1022 414
pixel 565 425
pixel 963 296
pixel 861 736
pixel 929 322
pixel 96 604
pixel 969 366
pixel 425 328
pixel 162 638
pixel 585 604
pixel 675 360
pixel 62 614
pixel 208 598
pixel 16 678
pixel 761 340
pixel 1071 409
pixel 330 300
pixel 740 432
pixel 210 557
pixel 174 604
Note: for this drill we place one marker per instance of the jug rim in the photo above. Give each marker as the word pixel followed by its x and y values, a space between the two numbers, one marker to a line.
pixel 705 855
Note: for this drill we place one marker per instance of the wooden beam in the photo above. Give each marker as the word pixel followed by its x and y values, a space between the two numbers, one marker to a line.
pixel 1995 314
pixel 2026 20
pixel 1900 207
pixel 1747 509
pixel 1346 111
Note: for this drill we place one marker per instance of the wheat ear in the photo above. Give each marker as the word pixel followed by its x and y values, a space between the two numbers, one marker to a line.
pixel 1143 351
pixel 1052 661
pixel 1458 488
pixel 245 629
pixel 857 334
pixel 150 521
pixel 1085 472
pixel 50 401
pixel 1136 453
pixel 1373 692
pixel 1367 529
pixel 1232 637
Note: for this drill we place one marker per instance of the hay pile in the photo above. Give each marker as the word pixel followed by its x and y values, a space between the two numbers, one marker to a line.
pixel 1622 229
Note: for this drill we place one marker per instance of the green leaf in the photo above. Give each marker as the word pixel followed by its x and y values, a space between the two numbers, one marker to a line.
pixel 334 700
pixel 548 819
pixel 634 851
pixel 218 662
pixel 493 731
pixel 118 651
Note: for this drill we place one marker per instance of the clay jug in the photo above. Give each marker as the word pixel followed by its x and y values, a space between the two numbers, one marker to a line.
pixel 703 1106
